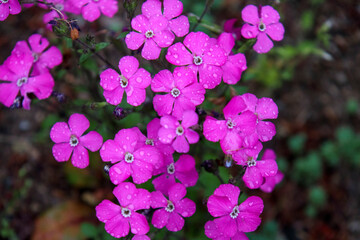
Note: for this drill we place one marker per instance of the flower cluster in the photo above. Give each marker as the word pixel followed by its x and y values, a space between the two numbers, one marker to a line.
pixel 27 70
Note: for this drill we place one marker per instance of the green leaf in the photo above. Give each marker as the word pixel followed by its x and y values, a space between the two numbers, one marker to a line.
pixel 89 230
pixel 101 45
pixel 122 35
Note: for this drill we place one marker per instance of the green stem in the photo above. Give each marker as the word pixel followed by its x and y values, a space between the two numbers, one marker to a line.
pixel 207 7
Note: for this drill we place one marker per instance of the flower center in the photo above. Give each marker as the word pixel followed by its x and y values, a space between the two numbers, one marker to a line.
pixel 179 130
pixel 123 81
pixel 198 60
pixel 21 81
pixel 74 141
pixel 175 92
pixel 251 162
pixel 4 1
pixel 129 158
pixel 170 207
pixel 171 169
pixel 149 34
pixel 126 212
pixel 230 124
pixel 262 27
pixel 60 6
pixel 149 141
pixel 235 212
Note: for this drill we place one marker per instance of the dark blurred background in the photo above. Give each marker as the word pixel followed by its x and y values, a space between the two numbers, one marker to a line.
pixel 313 76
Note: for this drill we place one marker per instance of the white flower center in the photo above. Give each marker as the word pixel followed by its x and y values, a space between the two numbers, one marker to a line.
pixel 230 124
pixel 21 81
pixel 175 92
pixel 171 168
pixel 123 81
pixel 129 158
pixel 126 212
pixel 235 212
pixel 149 141
pixel 4 1
pixel 262 27
pixel 149 34
pixel 251 162
pixel 170 207
pixel 179 130
pixel 198 60
pixel 74 141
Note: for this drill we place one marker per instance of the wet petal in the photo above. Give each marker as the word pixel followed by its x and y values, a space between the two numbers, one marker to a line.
pixel 78 124
pixel 109 79
pixel 90 12
pixel 134 40
pixel 128 65
pixel 180 26
pixel 62 151
pixel 269 15
pixel 250 14
pixel 151 50
pixel 92 141
pixel 60 132
pixel 178 55
pixel 263 43
pixel 80 157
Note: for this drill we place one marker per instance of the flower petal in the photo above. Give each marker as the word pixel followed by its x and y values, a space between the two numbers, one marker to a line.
pixel 78 124
pixel 135 96
pixel 178 55
pixel 196 42
pixel 214 129
pixel 49 59
pixel 267 109
pixel 164 38
pixel 92 141
pixel 128 65
pixel 226 41
pixel 37 43
pixel 141 79
pixel 151 50
pixel 253 178
pixel 253 204
pixel 80 157
pixel 142 171
pixel 263 43
pixel 60 132
pixel 106 210
pixel 160 218
pixel 234 107
pixel 267 168
pixel 163 104
pixel 269 15
pixel 226 225
pixel 275 31
pixel 233 68
pixel 265 130
pixel 250 14
pixel 180 26
pixel 230 191
pixel 62 151
pixel 177 192
pixel 214 55
pixel 210 76
pixel 115 96
pixel 117 226
pixel 139 224
pixel 111 151
pixel 151 8
pixel 163 182
pixel 249 31
pixel 90 12
pixel 127 139
pixel 119 172
pixel 108 7
pixel 134 40
pixel 163 81
pixel 175 223
pixel 125 193
pixel 158 200
pixel 185 207
pixel 247 222
pixel 219 206
pixel 180 144
pixel 109 79
pixel 172 8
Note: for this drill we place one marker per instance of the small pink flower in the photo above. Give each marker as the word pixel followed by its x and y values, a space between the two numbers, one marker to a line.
pixel 119 219
pixel 170 212
pixel 229 28
pixel 229 132
pixel 270 182
pixel 64 6
pixel 179 135
pixel 9 7
pixel 140 237
pixel 44 58
pixel 256 170
pixel 183 170
pixel 262 23
pixel 172 10
pixel 133 80
pixel 151 32
pixel 200 54
pixel 235 63
pixel 232 217
pixel 16 73
pixel 213 232
pixel 129 160
pixel 92 9
pixel 68 138
pixel 183 92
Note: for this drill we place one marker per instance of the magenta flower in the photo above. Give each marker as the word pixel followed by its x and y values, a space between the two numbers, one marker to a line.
pixel 92 9
pixel 172 10
pixel 179 135
pixel 132 79
pixel 235 64
pixel 263 108
pixel 229 131
pixel 68 138
pixel 262 23
pixel 9 7
pixel 16 73
pixel 256 170
pixel 202 55
pixel 232 217
pixel 44 58
pixel 129 160
pixel 270 182
pixel 229 28
pixel 140 237
pixel 170 212
pixel 183 92
pixel 151 32
pixel 183 170
pixel 119 219
pixel 213 232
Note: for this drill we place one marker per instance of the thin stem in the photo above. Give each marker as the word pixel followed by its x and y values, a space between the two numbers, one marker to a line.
pixel 207 7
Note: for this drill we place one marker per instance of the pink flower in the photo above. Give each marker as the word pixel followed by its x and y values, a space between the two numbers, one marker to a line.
pixel 262 23
pixel 183 92
pixel 151 32
pixel 270 182
pixel 9 7
pixel 202 55
pixel 132 79
pixel 169 213
pixel 229 28
pixel 68 138
pixel 92 9
pixel 16 73
pixel 232 217
pixel 183 170
pixel 229 132
pixel 179 135
pixel 263 108
pixel 119 219
pixel 63 6
pixel 235 64
pixel 140 237
pixel 44 58
pixel 256 170
pixel 172 10
pixel 213 232
pixel 129 160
